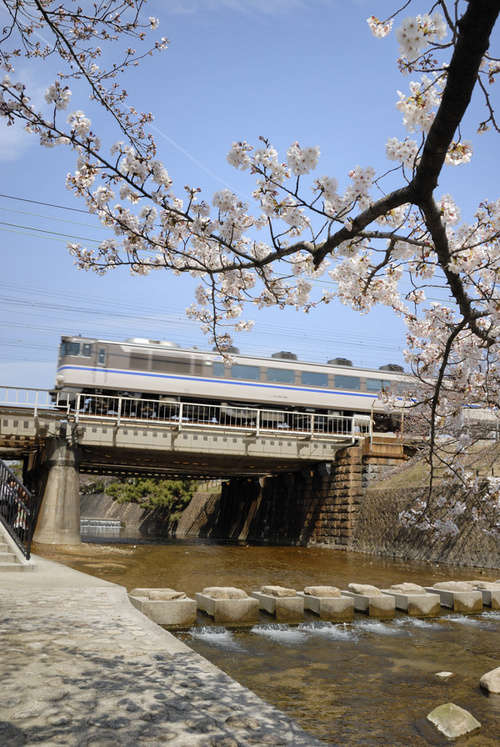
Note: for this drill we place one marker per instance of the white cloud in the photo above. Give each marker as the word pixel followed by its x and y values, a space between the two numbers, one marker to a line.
pixel 14 142
pixel 269 7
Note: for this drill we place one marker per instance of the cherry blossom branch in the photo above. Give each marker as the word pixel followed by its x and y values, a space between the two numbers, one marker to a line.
pixel 271 253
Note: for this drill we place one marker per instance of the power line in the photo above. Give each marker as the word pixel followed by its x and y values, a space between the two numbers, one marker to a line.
pixel 44 313
pixel 45 204
pixel 314 281
pixel 93 306
pixel 45 231
pixel 47 217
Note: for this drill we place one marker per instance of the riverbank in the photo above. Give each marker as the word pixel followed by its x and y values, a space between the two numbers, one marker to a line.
pixel 82 667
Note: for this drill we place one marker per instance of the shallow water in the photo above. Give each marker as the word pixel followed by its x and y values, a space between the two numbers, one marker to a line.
pixel 364 683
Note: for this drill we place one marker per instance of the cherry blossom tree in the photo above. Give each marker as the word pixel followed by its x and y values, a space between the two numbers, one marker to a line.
pixel 381 230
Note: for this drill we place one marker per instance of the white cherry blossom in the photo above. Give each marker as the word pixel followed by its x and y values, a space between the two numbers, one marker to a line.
pixel 382 238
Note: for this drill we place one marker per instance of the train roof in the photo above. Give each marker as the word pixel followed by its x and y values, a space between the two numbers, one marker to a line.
pixel 288 359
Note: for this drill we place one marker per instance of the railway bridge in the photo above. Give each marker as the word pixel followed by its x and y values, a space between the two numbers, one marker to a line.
pixel 57 438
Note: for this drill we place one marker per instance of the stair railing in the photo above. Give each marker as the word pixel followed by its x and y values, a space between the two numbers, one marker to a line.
pixel 17 509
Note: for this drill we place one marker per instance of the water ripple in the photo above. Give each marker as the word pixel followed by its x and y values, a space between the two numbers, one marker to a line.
pixel 216 635
pixel 280 633
pixel 337 632
pixel 379 628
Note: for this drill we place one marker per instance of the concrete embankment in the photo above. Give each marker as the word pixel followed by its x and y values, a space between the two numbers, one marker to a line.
pixel 81 666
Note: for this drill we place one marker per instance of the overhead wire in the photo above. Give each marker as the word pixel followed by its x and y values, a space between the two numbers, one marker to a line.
pixel 45 204
pixel 94 306
pixel 97 306
pixel 314 281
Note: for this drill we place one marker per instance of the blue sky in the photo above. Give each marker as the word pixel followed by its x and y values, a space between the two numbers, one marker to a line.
pixel 306 70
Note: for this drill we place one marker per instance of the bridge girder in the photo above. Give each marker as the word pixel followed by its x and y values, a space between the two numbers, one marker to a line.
pixel 152 449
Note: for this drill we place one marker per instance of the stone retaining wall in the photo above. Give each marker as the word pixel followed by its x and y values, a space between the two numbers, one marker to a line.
pixel 379 532
pixel 311 507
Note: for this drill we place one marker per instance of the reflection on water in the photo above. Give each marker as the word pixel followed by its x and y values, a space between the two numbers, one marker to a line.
pixel 366 683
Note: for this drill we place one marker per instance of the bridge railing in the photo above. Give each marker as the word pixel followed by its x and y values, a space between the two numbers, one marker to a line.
pixel 37 399
pixel 122 409
pixel 216 417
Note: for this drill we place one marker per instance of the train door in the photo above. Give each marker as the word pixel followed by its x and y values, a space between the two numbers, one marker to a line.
pixel 101 366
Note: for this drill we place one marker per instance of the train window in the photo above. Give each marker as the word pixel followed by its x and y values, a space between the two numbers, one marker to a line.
pixel 101 358
pixel 376 385
pixel 172 365
pixel 218 369
pixel 70 348
pixel 311 378
pixel 238 371
pixel 406 388
pixel 281 374
pixel 86 349
pixel 139 361
pixel 347 382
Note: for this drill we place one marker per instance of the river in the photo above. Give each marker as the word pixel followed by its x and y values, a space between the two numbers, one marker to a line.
pixel 364 683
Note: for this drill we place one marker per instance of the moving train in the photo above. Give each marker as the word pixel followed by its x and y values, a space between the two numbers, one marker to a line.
pixel 163 371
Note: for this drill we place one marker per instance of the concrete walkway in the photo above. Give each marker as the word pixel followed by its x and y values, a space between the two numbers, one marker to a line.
pixel 80 666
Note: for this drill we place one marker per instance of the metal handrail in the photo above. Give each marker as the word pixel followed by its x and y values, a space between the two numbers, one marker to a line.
pixel 17 509
pixel 120 409
pixel 37 399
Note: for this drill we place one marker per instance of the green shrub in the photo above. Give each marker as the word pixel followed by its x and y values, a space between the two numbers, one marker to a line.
pixel 91 488
pixel 151 493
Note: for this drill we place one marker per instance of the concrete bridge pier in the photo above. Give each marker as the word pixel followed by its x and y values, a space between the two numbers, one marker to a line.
pixel 59 517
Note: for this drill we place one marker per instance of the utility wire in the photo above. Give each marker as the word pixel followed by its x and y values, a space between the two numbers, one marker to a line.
pixel 45 204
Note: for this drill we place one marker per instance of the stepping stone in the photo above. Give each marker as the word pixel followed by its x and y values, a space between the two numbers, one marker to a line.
pixel 283 604
pixel 371 601
pixel 458 596
pixel 165 606
pixel 414 600
pixel 328 603
pixel 490 591
pixel 228 605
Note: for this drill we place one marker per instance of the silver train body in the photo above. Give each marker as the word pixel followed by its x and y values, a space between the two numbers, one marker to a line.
pixel 165 372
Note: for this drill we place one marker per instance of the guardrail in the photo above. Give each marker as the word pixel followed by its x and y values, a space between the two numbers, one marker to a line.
pixel 38 399
pixel 122 409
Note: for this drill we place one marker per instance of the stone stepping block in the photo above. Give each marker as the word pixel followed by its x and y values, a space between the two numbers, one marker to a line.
pixel 165 606
pixel 453 721
pixel 228 605
pixel 285 605
pixel 415 600
pixel 371 601
pixel 328 603
pixel 459 596
pixel 490 591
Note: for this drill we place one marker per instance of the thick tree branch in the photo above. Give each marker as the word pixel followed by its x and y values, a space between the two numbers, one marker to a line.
pixel 437 230
pixel 475 28
pixel 473 40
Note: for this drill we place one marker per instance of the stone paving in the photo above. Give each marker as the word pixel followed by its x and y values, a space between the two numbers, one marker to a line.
pixel 80 666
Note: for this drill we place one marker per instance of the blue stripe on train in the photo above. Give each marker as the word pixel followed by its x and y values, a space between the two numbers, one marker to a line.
pixel 235 382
